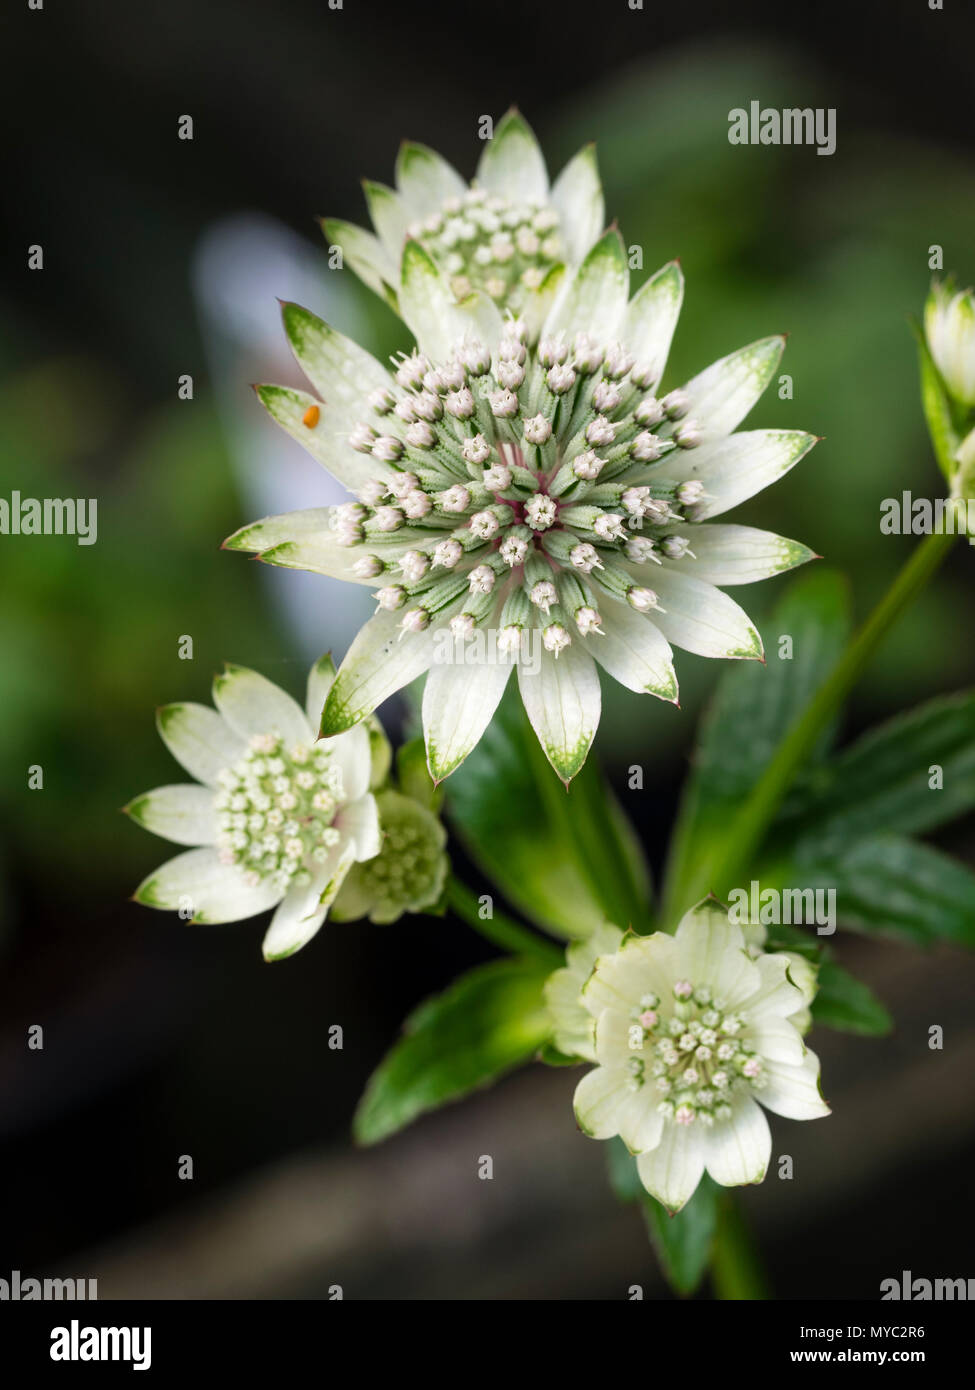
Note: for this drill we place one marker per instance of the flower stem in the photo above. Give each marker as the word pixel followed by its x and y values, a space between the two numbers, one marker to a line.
pixel 749 827
pixel 500 930
pixel 583 817
pixel 736 1268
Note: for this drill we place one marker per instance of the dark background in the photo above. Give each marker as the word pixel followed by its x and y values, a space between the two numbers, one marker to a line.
pixel 162 1040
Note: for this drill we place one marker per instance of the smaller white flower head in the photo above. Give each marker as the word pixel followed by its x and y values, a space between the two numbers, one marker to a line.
pixel 414 565
pixel 544 594
pixel 416 505
pixel 278 818
pixel 692 1036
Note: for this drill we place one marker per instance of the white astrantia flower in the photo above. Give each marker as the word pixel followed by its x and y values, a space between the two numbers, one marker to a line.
pixel 502 235
pixel 530 502
pixel 279 819
pixel 949 326
pixel 692 1038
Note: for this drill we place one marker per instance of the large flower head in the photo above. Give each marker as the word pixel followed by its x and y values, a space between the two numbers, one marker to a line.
pixel 279 819
pixel 692 1037
pixel 529 499
pixel 502 235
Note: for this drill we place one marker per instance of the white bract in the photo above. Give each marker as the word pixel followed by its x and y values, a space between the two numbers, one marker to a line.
pixel 692 1038
pixel 528 500
pixel 573 1026
pixel 949 326
pixel 802 972
pixel 279 819
pixel 503 235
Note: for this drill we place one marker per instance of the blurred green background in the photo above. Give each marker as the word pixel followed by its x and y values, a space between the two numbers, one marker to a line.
pixel 163 257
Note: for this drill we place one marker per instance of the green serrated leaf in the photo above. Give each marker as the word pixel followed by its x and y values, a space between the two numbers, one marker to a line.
pixel 489 1021
pixel 893 886
pixel 848 1005
pixel 884 779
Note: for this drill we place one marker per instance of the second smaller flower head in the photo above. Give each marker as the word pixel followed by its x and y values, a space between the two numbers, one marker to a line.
pixel 691 1037
pixel 278 820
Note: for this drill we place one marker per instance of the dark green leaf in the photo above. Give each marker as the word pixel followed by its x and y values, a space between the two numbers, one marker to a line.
pixel 489 1021
pixel 623 1176
pixel 884 778
pixel 683 1242
pixel 901 888
pixel 847 1004
pixel 783 938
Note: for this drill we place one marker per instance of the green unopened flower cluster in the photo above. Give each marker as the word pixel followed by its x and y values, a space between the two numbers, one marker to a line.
pixel 408 874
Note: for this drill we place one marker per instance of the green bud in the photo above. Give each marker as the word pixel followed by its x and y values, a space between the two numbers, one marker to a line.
pixel 949 326
pixel 409 872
